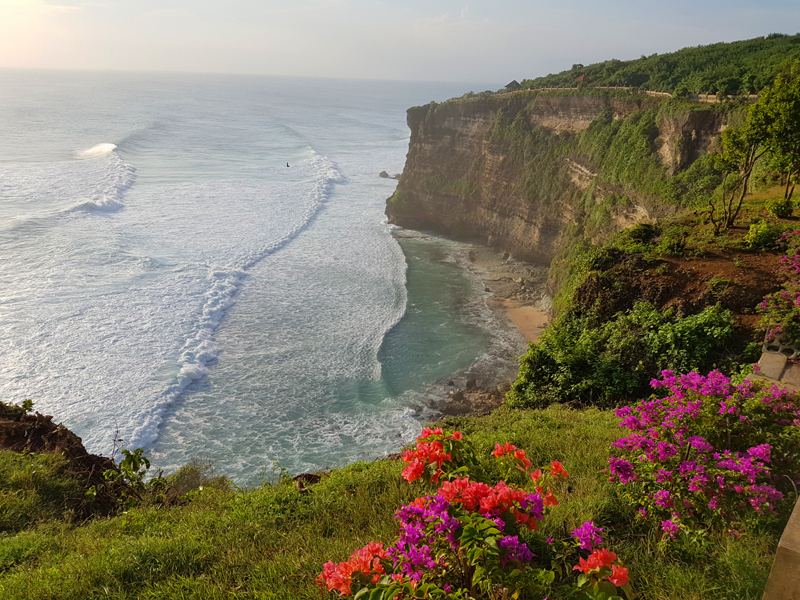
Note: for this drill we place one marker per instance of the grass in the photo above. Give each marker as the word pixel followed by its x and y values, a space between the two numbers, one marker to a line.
pixel 271 542
pixel 34 488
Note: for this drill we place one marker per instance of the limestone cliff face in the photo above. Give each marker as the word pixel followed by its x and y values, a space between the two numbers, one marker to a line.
pixel 510 170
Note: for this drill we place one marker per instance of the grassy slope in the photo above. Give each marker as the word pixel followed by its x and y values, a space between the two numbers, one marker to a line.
pixel 271 542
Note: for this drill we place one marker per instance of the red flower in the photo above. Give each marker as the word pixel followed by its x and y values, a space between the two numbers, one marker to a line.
pixel 498 451
pixel 550 499
pixel 457 435
pixel 556 469
pixel 619 575
pixel 597 559
pixel 536 475
pixel 520 456
pixel 413 471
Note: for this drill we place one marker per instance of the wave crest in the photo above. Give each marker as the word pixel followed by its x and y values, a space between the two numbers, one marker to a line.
pixel 96 151
pixel 225 281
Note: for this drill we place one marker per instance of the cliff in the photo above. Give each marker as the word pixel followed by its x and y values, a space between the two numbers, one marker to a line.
pixel 525 171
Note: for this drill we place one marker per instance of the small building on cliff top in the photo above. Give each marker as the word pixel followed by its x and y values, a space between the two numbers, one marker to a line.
pixel 513 86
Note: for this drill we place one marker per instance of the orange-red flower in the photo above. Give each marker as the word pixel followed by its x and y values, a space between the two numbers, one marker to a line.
pixel 550 499
pixel 597 559
pixel 556 469
pixel 413 471
pixel 619 575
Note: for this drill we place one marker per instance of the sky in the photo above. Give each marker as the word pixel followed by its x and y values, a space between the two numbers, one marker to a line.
pixel 422 40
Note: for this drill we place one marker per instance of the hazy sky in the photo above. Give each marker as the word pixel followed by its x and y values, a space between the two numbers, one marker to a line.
pixel 474 40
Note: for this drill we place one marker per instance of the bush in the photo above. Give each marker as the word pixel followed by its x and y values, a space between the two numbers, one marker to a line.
pixel 781 310
pixel 580 360
pixel 780 207
pixel 673 240
pixel 763 235
pixel 470 539
pixel 709 454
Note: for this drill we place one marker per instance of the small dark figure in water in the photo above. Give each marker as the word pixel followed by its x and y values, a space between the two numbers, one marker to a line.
pixel 287 164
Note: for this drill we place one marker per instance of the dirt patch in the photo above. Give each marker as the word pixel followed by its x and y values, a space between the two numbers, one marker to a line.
pixel 737 282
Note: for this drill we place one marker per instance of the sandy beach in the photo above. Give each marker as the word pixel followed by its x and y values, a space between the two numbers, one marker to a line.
pixel 518 289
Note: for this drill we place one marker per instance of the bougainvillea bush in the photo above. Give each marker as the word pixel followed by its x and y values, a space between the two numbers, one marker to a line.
pixel 470 538
pixel 709 453
pixel 780 311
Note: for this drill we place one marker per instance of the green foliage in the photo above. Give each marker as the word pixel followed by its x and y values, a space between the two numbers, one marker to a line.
pixel 763 235
pixel 673 240
pixel 780 104
pixel 579 359
pixel 637 239
pixel 14 412
pixel 538 153
pixel 730 68
pixel 35 488
pixel 780 207
pixel 463 186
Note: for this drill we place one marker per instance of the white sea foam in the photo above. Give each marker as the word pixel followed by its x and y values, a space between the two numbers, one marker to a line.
pixel 224 283
pixel 109 190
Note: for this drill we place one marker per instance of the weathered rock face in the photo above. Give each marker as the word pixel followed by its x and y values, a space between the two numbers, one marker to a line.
pixel 465 180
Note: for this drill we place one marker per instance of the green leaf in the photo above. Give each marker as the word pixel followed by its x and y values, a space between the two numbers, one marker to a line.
pixel 479 574
pixel 628 591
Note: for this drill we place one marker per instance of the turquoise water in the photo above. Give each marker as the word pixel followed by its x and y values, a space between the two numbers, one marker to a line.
pixel 167 276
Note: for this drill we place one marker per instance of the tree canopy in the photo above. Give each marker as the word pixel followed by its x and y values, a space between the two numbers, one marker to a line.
pixel 729 68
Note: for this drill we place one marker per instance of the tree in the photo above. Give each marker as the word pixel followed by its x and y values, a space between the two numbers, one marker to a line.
pixel 742 146
pixel 781 105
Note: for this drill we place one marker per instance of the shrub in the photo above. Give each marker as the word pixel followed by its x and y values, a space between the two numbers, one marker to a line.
pixel 578 359
pixel 763 236
pixel 673 240
pixel 470 539
pixel 781 310
pixel 709 454
pixel 780 207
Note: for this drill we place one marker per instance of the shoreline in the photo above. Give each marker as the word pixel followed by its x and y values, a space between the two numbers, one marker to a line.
pixel 517 292
pixel 517 289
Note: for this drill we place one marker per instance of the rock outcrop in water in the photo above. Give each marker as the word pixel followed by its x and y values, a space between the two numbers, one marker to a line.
pixel 520 172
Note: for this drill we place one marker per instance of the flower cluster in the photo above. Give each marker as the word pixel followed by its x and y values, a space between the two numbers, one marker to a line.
pixel 364 565
pixel 491 502
pixel 600 563
pixel 600 559
pixel 471 536
pixel 588 535
pixel 781 310
pixel 707 449
pixel 433 449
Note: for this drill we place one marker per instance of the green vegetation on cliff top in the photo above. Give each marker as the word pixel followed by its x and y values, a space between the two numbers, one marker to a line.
pixel 731 68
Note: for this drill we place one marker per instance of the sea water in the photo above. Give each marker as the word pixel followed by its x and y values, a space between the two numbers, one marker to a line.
pixel 200 265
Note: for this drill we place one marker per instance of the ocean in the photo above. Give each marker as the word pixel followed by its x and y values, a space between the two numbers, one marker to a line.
pixel 200 265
